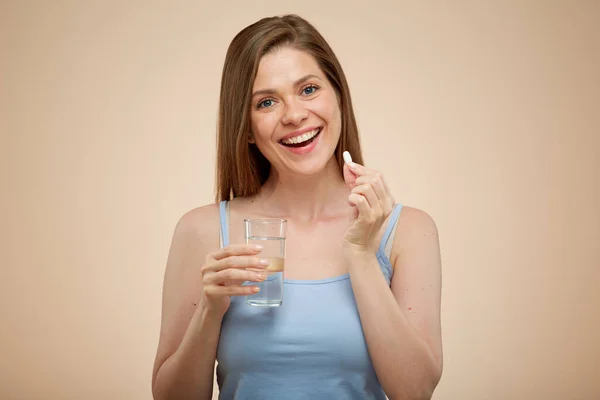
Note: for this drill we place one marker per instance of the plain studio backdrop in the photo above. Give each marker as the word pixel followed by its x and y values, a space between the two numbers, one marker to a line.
pixel 486 114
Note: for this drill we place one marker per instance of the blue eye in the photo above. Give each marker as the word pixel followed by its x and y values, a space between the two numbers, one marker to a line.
pixel 265 103
pixel 309 90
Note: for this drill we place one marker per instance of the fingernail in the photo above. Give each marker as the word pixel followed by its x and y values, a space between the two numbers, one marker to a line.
pixel 261 276
pixel 257 247
pixel 264 262
pixel 255 289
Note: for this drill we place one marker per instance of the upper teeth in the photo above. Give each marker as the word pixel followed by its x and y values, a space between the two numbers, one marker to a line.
pixel 301 138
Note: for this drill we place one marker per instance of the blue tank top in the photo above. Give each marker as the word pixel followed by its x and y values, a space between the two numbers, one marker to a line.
pixel 311 347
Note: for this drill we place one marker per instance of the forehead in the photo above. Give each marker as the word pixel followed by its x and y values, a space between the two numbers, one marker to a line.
pixel 283 67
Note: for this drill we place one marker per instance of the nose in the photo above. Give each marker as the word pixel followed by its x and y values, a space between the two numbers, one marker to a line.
pixel 294 112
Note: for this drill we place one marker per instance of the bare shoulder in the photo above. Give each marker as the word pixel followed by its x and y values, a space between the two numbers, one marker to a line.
pixel 414 222
pixel 196 235
pixel 416 229
pixel 200 222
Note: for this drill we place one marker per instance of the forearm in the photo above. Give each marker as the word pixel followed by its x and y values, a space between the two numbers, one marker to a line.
pixel 189 372
pixel 403 361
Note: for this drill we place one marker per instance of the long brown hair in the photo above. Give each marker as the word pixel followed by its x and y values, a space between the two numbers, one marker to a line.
pixel 241 167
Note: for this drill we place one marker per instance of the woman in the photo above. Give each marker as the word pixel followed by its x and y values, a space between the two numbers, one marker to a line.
pixel 361 313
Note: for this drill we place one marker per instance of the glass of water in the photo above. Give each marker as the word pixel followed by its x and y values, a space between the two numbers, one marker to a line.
pixel 270 233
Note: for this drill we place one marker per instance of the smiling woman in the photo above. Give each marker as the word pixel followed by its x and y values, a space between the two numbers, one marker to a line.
pixel 272 69
pixel 309 102
pixel 360 316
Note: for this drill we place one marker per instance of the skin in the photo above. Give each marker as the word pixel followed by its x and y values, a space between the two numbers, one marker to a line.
pixel 401 325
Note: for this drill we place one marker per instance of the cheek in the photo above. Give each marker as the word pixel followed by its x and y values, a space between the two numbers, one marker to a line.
pixel 326 107
pixel 263 125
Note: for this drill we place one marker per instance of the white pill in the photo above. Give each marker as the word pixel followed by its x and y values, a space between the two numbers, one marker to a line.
pixel 347 157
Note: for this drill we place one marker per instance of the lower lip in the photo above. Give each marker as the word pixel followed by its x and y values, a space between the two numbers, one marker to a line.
pixel 305 149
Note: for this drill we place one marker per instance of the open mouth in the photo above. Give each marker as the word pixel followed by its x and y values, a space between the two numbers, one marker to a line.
pixel 302 140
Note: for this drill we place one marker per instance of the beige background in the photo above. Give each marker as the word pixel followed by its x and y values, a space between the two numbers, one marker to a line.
pixel 108 116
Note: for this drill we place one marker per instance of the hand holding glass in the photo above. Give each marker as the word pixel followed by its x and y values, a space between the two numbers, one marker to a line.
pixel 270 233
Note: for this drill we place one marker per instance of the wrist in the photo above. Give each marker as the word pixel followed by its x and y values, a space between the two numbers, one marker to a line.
pixel 207 312
pixel 358 256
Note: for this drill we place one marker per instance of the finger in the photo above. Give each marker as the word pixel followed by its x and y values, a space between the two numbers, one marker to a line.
pixel 375 182
pixel 231 276
pixel 379 185
pixel 374 202
pixel 214 290
pixel 349 176
pixel 236 250
pixel 357 169
pixel 241 262
pixel 368 192
pixel 361 203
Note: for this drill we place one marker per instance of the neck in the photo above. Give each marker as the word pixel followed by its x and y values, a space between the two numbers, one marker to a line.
pixel 306 198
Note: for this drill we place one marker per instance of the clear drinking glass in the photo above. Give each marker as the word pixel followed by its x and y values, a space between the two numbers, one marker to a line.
pixel 270 233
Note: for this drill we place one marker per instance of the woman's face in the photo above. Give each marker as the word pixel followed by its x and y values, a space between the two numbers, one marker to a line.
pixel 295 115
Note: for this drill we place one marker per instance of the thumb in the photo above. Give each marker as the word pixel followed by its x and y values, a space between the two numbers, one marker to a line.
pixel 349 176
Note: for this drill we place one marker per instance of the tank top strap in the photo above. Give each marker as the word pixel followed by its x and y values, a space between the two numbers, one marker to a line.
pixel 224 223
pixel 385 246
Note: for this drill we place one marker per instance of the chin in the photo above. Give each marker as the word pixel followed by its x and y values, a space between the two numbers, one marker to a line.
pixel 312 167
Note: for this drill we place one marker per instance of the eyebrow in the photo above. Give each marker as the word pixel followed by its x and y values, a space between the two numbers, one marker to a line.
pixel 297 83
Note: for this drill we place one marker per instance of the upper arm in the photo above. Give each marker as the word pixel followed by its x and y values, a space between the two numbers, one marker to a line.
pixel 417 279
pixel 192 240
